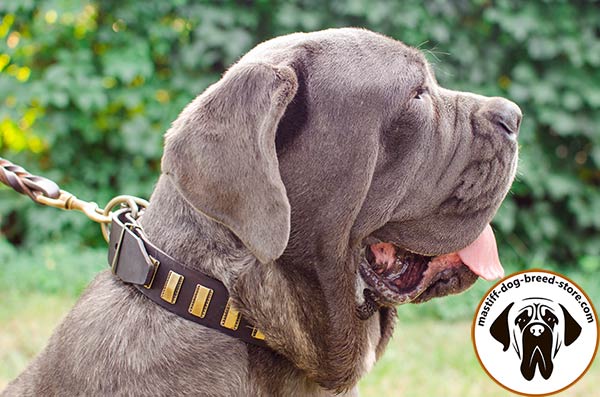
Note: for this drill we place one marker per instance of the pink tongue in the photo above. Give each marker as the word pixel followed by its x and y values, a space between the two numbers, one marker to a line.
pixel 481 256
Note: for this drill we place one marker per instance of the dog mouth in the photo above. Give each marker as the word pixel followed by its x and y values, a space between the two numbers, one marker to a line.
pixel 537 352
pixel 397 275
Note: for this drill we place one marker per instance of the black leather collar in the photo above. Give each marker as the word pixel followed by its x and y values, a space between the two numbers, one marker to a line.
pixel 162 279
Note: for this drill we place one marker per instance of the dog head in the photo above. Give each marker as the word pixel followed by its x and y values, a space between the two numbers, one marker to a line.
pixel 338 150
pixel 536 328
pixel 337 160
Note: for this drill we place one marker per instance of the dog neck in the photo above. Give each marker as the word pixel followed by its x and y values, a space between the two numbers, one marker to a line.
pixel 196 241
pixel 302 328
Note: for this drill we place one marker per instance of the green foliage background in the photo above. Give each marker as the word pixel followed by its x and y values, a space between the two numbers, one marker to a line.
pixel 87 89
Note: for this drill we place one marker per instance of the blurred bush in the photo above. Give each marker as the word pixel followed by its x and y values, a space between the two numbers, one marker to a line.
pixel 89 87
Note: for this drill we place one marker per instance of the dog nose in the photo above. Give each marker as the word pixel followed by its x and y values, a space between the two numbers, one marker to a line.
pixel 506 115
pixel 536 330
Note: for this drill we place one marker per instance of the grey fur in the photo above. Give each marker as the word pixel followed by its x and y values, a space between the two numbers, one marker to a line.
pixel 272 179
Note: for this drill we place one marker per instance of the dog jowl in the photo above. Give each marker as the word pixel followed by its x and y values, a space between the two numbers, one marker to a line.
pixel 536 328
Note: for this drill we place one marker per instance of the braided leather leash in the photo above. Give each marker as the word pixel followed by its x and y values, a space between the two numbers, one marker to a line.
pixel 23 182
pixel 46 192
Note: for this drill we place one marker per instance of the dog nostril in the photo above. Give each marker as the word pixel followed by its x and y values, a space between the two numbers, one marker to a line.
pixel 536 330
pixel 506 115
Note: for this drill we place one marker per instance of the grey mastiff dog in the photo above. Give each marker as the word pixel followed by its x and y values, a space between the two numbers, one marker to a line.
pixel 325 179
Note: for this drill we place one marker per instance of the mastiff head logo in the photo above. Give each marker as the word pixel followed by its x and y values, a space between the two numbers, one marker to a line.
pixel 536 328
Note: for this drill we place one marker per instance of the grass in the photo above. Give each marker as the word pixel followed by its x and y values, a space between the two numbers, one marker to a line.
pixel 430 355
pixel 433 358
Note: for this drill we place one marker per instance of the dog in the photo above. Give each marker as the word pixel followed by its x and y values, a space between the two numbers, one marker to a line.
pixel 325 179
pixel 537 327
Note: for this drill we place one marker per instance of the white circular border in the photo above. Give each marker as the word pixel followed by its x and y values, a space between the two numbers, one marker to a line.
pixel 509 358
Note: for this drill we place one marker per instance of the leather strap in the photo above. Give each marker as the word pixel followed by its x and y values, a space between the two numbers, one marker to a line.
pixel 185 292
pixel 23 182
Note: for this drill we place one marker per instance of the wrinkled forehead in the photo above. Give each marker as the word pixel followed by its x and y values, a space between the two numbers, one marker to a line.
pixel 344 51
pixel 534 307
pixel 349 69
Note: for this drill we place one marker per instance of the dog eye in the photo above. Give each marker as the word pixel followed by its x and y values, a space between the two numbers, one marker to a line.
pixel 522 318
pixel 420 93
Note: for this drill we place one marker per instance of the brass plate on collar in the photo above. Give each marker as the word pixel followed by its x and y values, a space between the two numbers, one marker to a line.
pixel 256 334
pixel 231 317
pixel 172 286
pixel 200 301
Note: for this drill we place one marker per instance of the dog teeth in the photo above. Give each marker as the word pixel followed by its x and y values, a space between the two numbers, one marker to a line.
pixel 379 268
pixel 395 270
pixel 403 266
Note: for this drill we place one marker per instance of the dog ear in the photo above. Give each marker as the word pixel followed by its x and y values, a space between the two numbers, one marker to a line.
pixel 499 328
pixel 572 327
pixel 220 154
